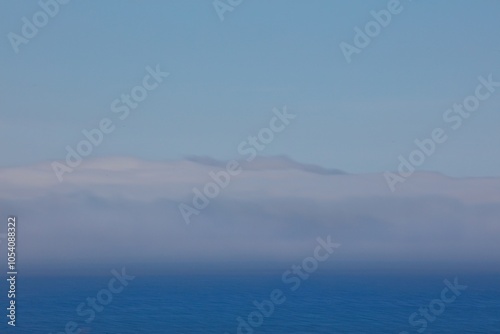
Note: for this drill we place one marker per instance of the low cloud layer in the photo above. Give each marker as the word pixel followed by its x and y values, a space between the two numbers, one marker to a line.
pixel 126 211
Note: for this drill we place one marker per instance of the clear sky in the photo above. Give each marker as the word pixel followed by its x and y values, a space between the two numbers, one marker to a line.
pixel 229 79
pixel 227 76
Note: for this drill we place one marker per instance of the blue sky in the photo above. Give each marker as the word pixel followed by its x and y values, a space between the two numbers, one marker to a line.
pixel 227 76
pixel 225 79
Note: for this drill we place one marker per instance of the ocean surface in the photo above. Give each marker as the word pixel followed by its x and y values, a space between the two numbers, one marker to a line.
pixel 212 304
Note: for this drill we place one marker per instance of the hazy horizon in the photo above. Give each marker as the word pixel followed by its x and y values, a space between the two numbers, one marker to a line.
pixel 270 214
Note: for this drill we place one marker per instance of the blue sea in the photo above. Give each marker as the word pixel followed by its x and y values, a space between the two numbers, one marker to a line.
pixel 323 303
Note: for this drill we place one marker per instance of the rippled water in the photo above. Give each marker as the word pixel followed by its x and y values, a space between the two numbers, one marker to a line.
pixel 197 304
